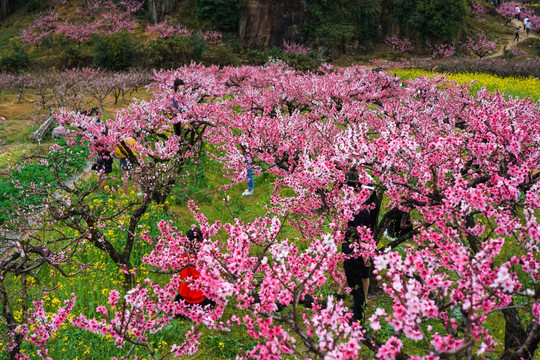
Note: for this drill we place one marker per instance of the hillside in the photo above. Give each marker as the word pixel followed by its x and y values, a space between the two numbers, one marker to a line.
pixel 80 33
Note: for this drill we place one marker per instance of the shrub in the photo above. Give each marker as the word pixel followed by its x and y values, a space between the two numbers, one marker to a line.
pixel 35 5
pixel 220 55
pixel 72 57
pixel 169 53
pixel 256 57
pixel 115 52
pixel 303 62
pixel 199 47
pixel 15 61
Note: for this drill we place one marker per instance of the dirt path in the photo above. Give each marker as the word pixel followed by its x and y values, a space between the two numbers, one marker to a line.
pixel 510 44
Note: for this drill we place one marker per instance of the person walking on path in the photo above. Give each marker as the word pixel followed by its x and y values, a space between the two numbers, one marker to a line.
pixel 527 26
pixel 518 12
pixel 516 34
pixel 248 160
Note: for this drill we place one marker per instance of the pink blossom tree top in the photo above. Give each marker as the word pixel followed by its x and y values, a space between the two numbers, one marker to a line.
pixel 508 9
pixel 295 48
pixel 478 10
pixel 399 46
pixel 213 37
pixel 106 17
pixel 164 30
pixel 80 32
pixel 480 45
pixel 44 24
pixel 444 51
pixel 535 22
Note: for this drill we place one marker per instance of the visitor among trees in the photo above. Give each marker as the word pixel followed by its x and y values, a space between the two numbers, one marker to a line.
pixel 358 268
pixel 250 177
pixel 189 274
pixel 127 155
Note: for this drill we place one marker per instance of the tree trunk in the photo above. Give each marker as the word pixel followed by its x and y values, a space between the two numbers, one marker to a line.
pixel 5 8
pixel 515 334
pixel 266 23
pixel 159 8
pixel 46 127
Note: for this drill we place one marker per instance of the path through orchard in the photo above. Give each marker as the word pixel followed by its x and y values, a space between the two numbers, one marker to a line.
pixel 509 40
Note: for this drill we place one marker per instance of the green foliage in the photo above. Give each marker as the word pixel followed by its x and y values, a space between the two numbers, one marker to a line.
pixel 169 53
pixel 41 174
pixel 15 60
pixel 303 62
pixel 35 5
pixel 199 47
pixel 435 19
pixel 115 52
pixel 228 347
pixel 71 57
pixel 337 24
pixel 220 55
pixel 222 14
pixel 174 52
pixel 196 185
pixel 256 57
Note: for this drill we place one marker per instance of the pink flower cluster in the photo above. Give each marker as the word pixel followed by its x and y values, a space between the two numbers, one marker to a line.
pixel 478 10
pixel 444 51
pixel 164 30
pixel 109 16
pixel 399 46
pixel 480 45
pixel 213 37
pixel 295 48
pixel 43 25
pixel 41 327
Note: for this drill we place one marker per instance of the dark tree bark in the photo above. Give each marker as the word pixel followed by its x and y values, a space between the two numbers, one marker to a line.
pixel 159 8
pixel 266 23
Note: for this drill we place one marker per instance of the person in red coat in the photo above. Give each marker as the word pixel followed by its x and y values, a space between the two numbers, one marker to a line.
pixel 190 273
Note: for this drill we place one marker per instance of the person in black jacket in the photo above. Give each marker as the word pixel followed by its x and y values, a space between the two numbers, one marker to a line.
pixel 357 269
